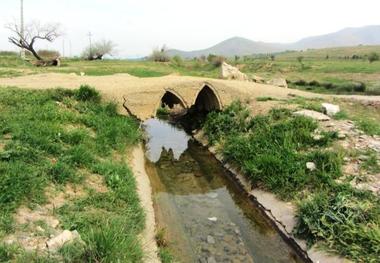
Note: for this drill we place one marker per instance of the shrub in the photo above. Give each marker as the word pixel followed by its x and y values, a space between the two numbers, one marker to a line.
pixel 314 83
pixel 87 93
pixel 372 57
pixel 300 82
pixel 48 54
pixel 177 60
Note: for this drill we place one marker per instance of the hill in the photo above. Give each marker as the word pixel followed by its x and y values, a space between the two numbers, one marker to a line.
pixel 368 35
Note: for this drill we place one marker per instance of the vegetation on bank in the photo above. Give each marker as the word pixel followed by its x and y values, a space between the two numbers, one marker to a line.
pixel 273 149
pixel 59 138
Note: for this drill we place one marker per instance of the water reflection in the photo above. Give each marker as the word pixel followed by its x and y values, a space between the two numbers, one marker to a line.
pixel 162 135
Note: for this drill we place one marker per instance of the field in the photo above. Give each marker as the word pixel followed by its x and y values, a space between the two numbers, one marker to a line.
pixel 340 73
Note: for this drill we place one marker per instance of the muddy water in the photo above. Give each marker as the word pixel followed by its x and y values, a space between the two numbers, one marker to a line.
pixel 205 216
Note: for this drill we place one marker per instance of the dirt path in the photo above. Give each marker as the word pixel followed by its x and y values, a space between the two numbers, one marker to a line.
pixel 144 191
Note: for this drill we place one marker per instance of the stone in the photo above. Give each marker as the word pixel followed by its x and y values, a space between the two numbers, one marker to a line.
pixel 311 166
pixel 213 219
pixel 341 135
pixel 210 239
pixel 212 195
pixel 211 260
pixel 279 82
pixel 330 109
pixel 61 239
pixel 231 73
pixel 257 79
pixel 318 137
pixel 315 115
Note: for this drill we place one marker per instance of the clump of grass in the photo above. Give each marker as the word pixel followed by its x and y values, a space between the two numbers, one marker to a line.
pixel 369 126
pixel 345 221
pixel 87 93
pixel 342 115
pixel 264 98
pixel 163 251
pixel 371 163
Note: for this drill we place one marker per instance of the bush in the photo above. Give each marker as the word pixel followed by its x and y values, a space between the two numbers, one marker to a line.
pixel 300 82
pixel 216 61
pixel 372 57
pixel 87 93
pixel 177 60
pixel 48 54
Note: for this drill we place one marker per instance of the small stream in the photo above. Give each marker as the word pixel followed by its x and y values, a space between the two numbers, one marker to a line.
pixel 206 217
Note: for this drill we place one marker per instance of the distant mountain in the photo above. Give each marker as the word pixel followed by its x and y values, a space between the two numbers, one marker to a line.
pixel 368 35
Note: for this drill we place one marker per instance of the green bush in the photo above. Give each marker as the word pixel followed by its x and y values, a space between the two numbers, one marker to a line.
pixel 87 93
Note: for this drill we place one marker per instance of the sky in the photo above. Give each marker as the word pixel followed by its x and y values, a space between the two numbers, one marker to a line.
pixel 138 26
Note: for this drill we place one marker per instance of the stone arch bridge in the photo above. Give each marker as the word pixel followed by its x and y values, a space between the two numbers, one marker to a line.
pixel 143 96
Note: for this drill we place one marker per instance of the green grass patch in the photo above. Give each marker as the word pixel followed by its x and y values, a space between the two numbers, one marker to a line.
pixel 54 136
pixel 369 126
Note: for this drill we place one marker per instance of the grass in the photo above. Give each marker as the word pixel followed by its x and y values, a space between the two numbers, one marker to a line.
pixel 164 252
pixel 272 150
pixel 51 137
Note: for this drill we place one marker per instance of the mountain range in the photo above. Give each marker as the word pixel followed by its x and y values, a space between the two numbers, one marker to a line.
pixel 368 35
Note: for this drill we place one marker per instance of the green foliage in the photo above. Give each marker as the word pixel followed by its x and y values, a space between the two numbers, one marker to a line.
pixel 264 98
pixel 345 221
pixel 232 120
pixel 177 61
pixel 369 126
pixel 165 255
pixel 87 93
pixel 373 56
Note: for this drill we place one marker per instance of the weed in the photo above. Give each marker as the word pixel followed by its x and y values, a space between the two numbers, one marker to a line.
pixel 368 126
pixel 87 93
pixel 264 98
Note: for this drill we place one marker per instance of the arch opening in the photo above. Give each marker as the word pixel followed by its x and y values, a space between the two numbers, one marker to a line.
pixel 206 101
pixel 171 104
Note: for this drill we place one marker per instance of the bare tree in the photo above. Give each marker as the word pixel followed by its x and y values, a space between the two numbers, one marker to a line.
pixel 99 49
pixel 33 32
pixel 160 54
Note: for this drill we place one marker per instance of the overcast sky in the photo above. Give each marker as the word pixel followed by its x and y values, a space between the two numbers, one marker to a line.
pixel 137 26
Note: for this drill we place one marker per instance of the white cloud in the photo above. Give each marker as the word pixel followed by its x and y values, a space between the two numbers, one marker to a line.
pixel 139 25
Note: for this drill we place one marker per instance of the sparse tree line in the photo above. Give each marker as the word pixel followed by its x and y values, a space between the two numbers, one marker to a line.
pixel 26 38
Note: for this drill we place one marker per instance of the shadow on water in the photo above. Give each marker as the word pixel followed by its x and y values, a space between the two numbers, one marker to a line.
pixel 205 214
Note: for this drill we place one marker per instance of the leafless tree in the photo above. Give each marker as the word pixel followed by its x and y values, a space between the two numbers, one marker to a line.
pixel 160 54
pixel 33 32
pixel 99 49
